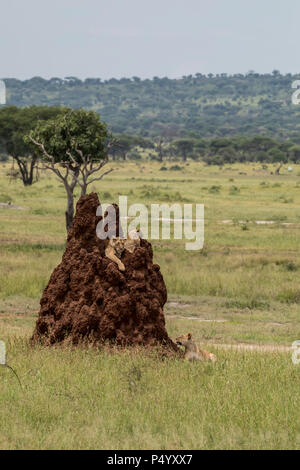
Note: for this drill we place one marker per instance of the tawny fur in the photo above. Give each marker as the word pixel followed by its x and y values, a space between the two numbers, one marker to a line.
pixel 117 245
pixel 192 352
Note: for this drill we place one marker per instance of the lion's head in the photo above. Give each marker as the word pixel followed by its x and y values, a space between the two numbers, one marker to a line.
pixel 184 340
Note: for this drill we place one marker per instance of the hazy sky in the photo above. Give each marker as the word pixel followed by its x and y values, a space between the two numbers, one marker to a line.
pixel 146 38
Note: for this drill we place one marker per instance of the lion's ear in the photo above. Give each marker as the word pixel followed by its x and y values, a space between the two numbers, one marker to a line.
pixel 189 335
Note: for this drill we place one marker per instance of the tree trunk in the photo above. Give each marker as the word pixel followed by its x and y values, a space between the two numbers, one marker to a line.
pixel 32 166
pixel 83 189
pixel 70 209
pixel 277 171
pixel 26 175
pixel 70 198
pixel 159 151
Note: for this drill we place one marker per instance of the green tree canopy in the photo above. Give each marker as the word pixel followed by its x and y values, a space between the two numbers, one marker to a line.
pixel 183 147
pixel 15 124
pixel 75 147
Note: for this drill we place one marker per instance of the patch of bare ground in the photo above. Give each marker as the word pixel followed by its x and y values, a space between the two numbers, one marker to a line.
pixel 195 318
pixel 18 307
pixel 7 205
pixel 253 347
pixel 178 304
pixel 260 222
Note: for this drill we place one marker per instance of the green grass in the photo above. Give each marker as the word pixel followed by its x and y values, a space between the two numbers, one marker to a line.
pixel 82 398
pixel 242 259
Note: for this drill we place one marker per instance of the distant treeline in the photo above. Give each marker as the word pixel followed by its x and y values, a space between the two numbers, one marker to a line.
pixel 211 151
pixel 198 106
pixel 16 123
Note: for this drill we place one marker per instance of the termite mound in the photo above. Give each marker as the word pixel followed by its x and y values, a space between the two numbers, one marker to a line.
pixel 88 299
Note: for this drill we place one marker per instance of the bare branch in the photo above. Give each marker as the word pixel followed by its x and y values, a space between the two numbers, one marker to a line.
pixel 98 167
pixel 51 158
pixel 39 144
pixel 71 156
pixel 55 170
pixel 100 177
pixel 80 153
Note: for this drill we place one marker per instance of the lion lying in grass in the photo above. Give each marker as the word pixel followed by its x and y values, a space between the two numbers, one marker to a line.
pixel 192 352
pixel 117 245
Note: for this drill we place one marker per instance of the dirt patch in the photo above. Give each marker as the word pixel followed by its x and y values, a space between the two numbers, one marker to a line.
pixel 88 298
pixel 260 222
pixel 7 205
pixel 253 347
pixel 177 305
pixel 182 317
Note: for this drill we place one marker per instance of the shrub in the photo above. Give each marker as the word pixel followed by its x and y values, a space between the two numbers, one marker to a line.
pixel 289 296
pixel 175 168
pixel 106 195
pixel 234 190
pixel 134 155
pixel 287 264
pixel 3 157
pixel 214 189
pixel 5 198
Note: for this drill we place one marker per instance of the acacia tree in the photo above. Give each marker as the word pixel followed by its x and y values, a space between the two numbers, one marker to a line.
pixel 159 147
pixel 15 123
pixel 75 147
pixel 123 144
pixel 183 147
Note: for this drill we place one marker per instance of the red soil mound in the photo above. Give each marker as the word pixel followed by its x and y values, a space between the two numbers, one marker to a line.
pixel 88 298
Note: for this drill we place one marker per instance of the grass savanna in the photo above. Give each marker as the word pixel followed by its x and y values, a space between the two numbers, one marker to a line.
pixel 244 263
pixel 245 280
pixel 86 399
